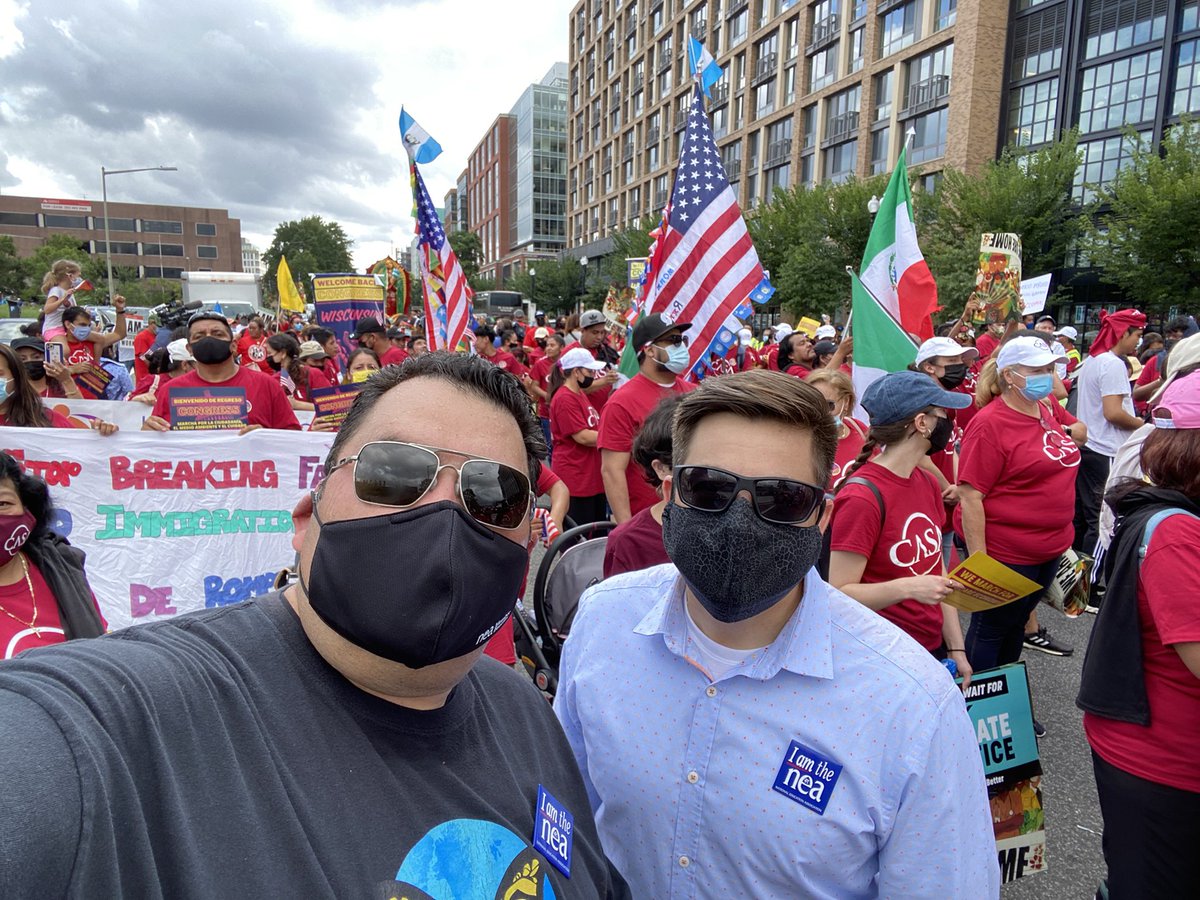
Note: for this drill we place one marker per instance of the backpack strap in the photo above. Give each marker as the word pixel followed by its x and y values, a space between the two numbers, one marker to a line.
pixel 870 485
pixel 1156 520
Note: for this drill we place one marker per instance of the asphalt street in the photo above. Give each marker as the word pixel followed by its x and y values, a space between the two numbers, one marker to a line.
pixel 1075 863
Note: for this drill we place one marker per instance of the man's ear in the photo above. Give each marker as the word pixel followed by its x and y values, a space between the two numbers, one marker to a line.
pixel 826 515
pixel 301 517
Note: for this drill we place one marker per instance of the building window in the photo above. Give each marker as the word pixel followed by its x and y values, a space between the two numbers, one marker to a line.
pixel 776 179
pixel 1187 78
pixel 930 139
pixel 764 99
pixel 806 169
pixel 883 95
pixel 720 121
pixel 1099 162
pixel 898 29
pixel 731 160
pixel 737 27
pixel 156 272
pixel 789 85
pixel 206 251
pixel 121 248
pixel 114 224
pixel 840 161
pixel 1031 113
pixel 779 142
pixel 1189 20
pixel 855 61
pixel 928 78
pixel 880 145
pixel 66 221
pixel 930 182
pixel 1112 25
pixel 793 38
pixel 162 250
pixel 808 127
pixel 23 220
pixel 1037 43
pixel 159 227
pixel 1121 92
pixel 947 12
pixel 206 229
pixel 823 68
pixel 841 113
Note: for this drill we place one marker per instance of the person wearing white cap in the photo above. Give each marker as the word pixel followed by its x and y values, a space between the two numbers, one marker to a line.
pixel 574 426
pixel 1068 337
pixel 742 357
pixel 771 354
pixel 164 364
pixel 1016 488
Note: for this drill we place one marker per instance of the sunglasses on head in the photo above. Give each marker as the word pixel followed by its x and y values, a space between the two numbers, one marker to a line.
pixel 780 500
pixel 394 473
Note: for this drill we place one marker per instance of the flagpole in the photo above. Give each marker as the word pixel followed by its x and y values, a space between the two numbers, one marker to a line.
pixel 854 277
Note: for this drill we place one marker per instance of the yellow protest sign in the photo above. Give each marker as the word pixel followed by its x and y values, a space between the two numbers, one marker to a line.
pixel 984 583
pixel 808 326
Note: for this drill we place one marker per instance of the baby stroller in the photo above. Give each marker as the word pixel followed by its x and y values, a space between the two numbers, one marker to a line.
pixel 574 562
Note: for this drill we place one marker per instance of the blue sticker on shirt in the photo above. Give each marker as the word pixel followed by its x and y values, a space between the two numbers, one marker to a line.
pixel 553 831
pixel 807 777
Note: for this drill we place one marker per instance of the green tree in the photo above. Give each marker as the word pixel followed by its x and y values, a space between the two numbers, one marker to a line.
pixel 1146 220
pixel 611 270
pixel 12 272
pixel 556 287
pixel 311 245
pixel 469 250
pixel 1024 192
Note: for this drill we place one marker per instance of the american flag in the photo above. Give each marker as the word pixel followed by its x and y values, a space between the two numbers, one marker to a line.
pixel 447 294
pixel 709 263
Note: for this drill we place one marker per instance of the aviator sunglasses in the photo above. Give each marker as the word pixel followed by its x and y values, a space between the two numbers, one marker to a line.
pixel 394 473
pixel 779 500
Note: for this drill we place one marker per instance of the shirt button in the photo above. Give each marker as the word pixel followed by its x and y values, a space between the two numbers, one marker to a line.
pixel 684 861
pixel 711 691
pixel 693 777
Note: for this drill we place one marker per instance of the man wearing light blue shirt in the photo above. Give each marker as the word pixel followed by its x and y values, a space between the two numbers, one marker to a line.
pixel 743 728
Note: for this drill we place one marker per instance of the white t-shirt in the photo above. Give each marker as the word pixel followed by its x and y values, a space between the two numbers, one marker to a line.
pixel 1103 376
pixel 54 319
pixel 717 659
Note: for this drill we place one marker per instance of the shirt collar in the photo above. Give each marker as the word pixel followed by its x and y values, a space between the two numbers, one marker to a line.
pixel 804 646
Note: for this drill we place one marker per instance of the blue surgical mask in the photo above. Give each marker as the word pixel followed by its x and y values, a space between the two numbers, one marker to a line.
pixel 678 359
pixel 81 332
pixel 1037 387
pixel 3 390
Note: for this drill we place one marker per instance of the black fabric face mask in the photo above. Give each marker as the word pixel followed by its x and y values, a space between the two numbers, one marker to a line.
pixel 588 381
pixel 737 563
pixel 940 436
pixel 211 351
pixel 275 366
pixel 956 374
pixel 459 584
pixel 36 369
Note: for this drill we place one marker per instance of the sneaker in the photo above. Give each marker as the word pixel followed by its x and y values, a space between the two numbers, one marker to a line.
pixel 1041 640
pixel 1039 729
pixel 1091 609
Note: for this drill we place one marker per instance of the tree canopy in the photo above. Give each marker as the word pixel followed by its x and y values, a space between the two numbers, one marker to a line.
pixel 311 245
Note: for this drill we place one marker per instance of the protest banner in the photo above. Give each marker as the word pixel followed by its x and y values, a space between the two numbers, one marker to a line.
pixel 333 403
pixel 207 408
pixel 984 583
pixel 1002 716
pixel 341 300
pixel 1034 292
pixel 126 415
pixel 998 279
pixel 174 522
pixel 635 269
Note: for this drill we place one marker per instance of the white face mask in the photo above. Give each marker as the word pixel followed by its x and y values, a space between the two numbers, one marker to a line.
pixel 1060 369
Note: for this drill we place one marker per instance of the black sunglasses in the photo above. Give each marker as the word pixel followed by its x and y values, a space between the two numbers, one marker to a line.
pixel 673 339
pixel 779 500
pixel 394 473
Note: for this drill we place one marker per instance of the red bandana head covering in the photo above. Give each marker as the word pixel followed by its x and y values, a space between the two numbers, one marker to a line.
pixel 1113 327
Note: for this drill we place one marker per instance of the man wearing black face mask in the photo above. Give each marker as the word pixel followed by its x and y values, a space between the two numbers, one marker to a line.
pixel 345 729
pixel 211 342
pixel 745 729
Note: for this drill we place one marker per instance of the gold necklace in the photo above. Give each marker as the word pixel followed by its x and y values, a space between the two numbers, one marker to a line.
pixel 31 625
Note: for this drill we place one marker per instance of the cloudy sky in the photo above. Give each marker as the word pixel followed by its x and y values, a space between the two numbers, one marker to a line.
pixel 273 109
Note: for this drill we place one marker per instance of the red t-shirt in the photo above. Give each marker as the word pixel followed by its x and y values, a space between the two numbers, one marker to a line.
pixel 578 466
pixel 147 383
pixel 15 637
pixel 1148 375
pixel 1162 751
pixel 1025 468
pixel 908 542
pixel 771 354
pixel 329 368
pixel 963 417
pixel 621 420
pixel 847 450
pixel 749 359
pixel 268 404
pixel 540 373
pixel 254 352
pixel 986 345
pixel 142 342
pixel 637 543
pixel 799 371
pixel 57 420
pixel 316 381
pixel 506 361
pixel 393 356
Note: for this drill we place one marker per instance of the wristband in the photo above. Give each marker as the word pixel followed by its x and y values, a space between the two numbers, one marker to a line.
pixel 955 650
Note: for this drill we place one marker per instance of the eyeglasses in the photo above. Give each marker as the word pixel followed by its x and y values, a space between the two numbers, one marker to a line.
pixel 394 473
pixel 779 500
pixel 673 339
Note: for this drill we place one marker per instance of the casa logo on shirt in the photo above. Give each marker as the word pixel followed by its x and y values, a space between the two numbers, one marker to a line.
pixel 82 355
pixel 1060 448
pixel 593 418
pixel 257 352
pixel 919 549
pixel 807 777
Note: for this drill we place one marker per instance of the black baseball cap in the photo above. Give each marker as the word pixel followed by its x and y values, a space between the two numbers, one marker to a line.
pixel 650 328
pixel 367 325
pixel 29 343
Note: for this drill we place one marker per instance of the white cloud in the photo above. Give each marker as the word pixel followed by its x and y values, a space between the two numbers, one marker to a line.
pixel 272 109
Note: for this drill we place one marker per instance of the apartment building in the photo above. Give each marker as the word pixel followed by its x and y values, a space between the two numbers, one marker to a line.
pixel 814 90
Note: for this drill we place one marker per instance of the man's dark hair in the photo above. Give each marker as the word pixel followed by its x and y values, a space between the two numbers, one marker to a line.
pixel 1179 323
pixel 468 373
pixel 73 314
pixel 653 441
pixel 320 335
pixel 507 335
pixel 486 331
pixel 32 491
pixel 205 315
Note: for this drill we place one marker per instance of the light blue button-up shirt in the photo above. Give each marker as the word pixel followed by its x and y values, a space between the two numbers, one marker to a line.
pixel 698 788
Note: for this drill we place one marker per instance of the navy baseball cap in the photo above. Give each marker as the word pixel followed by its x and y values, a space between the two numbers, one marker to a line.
pixel 895 397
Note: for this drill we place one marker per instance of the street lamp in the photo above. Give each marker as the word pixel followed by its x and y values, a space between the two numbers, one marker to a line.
pixel 873 205
pixel 583 261
pixel 533 286
pixel 104 173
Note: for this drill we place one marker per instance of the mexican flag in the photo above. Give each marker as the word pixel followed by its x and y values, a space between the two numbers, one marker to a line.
pixel 893 268
pixel 880 344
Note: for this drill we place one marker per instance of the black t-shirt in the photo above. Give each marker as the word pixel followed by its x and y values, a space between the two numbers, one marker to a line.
pixel 218 755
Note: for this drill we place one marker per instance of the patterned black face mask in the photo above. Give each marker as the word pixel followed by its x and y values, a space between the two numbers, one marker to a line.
pixel 737 563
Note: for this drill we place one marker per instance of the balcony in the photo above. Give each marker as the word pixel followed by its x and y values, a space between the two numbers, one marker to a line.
pixel 733 169
pixel 924 95
pixel 608 46
pixel 700 31
pixel 779 152
pixel 668 59
pixel 765 68
pixel 681 120
pixel 735 7
pixel 614 102
pixel 660 199
pixel 652 136
pixel 720 96
pixel 824 33
pixel 612 220
pixel 606 165
pixel 841 127
pixel 631 26
pixel 637 83
pixel 589 175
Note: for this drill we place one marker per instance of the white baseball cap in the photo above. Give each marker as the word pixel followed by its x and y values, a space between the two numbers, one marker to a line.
pixel 580 358
pixel 826 331
pixel 178 351
pixel 782 330
pixel 1068 332
pixel 1025 351
pixel 944 346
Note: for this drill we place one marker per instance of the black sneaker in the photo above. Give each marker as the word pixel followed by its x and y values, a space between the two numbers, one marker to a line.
pixel 1041 640
pixel 1039 729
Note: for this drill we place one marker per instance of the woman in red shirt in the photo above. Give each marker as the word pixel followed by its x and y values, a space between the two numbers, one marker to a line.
pixel 539 386
pixel 1141 679
pixel 298 378
pixel 20 404
pixel 573 428
pixel 886 543
pixel 838 390
pixel 1017 466
pixel 44 594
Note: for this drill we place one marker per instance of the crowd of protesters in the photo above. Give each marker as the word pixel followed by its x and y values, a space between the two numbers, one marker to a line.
pixel 1023 442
